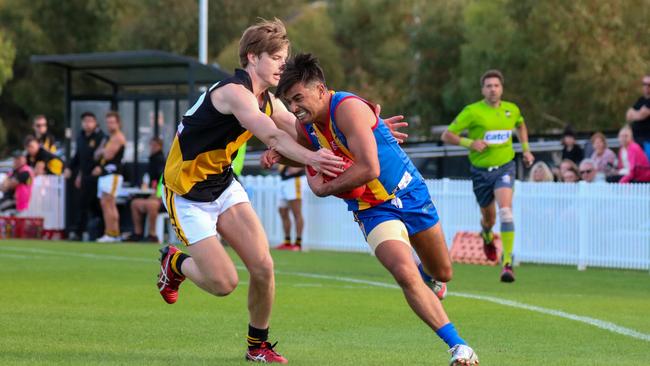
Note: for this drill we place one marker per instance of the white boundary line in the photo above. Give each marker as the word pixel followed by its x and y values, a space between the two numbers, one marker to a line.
pixel 602 324
pixel 605 325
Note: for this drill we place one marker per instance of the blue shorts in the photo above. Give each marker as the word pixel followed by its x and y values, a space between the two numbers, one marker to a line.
pixel 412 206
pixel 485 181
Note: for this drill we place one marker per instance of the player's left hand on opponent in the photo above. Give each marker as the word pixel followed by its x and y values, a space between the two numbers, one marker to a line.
pixel 324 161
pixel 269 158
pixel 394 123
pixel 529 159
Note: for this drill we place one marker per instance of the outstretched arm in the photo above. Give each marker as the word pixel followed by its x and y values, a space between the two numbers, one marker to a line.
pixel 271 157
pixel 284 119
pixel 236 100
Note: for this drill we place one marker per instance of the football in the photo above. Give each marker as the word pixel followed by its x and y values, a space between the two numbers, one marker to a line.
pixel 349 195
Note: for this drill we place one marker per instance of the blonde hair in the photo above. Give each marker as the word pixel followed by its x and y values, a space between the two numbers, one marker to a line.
pixel 548 175
pixel 627 127
pixel 265 36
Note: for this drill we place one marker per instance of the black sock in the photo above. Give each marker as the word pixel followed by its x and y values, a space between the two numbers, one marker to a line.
pixel 298 241
pixel 179 262
pixel 256 336
pixel 287 239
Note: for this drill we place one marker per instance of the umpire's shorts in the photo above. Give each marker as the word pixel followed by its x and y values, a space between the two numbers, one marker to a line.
pixel 486 180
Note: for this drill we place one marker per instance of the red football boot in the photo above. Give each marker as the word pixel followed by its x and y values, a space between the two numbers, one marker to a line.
pixel 168 281
pixel 284 246
pixel 489 248
pixel 296 248
pixel 265 354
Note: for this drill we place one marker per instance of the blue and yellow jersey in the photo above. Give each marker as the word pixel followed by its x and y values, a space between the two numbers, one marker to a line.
pixel 396 169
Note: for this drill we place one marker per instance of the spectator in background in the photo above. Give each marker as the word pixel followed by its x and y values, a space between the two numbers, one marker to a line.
pixel 291 202
pixel 17 187
pixel 588 173
pixel 45 139
pixel 571 175
pixel 639 117
pixel 109 170
pixel 603 156
pixel 565 165
pixel 81 167
pixel 41 160
pixel 149 206
pixel 571 150
pixel 633 165
pixel 540 172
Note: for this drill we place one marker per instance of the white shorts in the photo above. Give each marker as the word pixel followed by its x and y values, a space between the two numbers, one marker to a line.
pixel 290 189
pixel 109 184
pixel 194 221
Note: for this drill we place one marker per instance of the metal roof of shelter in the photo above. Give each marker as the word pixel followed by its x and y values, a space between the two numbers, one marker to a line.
pixel 131 75
pixel 137 68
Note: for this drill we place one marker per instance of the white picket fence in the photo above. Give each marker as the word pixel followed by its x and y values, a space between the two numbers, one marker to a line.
pixel 48 201
pixel 603 225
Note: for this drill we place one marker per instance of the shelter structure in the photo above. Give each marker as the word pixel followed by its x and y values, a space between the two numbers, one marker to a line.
pixel 149 88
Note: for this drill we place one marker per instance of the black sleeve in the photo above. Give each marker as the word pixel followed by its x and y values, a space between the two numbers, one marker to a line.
pixel 580 153
pixel 156 166
pixel 639 103
pixel 74 162
pixel 99 138
pixel 22 177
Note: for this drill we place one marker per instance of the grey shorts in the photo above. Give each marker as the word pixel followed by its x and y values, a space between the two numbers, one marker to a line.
pixel 486 180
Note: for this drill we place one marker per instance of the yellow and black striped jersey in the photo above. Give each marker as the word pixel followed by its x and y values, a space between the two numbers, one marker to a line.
pixel 114 165
pixel 206 142
pixel 48 143
pixel 53 165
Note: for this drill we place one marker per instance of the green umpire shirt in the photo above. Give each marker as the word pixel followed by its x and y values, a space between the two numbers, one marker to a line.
pixel 493 125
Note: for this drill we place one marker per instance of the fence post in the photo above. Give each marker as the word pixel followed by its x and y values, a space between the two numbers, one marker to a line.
pixel 583 227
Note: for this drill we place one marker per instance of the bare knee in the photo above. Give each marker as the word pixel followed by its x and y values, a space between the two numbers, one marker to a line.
pixel 443 273
pixel 405 276
pixel 222 285
pixel 262 269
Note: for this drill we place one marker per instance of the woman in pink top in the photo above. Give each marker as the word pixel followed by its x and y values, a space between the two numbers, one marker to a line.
pixel 603 156
pixel 17 187
pixel 633 164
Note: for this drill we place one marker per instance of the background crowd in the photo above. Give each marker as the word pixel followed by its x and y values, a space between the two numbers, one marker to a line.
pixel 596 161
pixel 94 205
pixel 593 161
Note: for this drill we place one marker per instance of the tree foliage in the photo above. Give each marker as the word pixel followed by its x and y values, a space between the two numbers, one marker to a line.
pixel 575 62
pixel 47 27
pixel 310 30
pixel 7 55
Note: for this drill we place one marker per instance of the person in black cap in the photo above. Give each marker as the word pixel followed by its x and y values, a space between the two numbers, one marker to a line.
pixel 571 150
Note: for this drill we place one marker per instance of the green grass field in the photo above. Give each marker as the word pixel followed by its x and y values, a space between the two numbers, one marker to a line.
pixel 92 304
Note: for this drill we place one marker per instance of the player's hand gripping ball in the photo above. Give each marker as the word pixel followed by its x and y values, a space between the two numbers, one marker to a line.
pixel 349 195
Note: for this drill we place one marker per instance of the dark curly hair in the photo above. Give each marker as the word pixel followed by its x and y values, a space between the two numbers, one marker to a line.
pixel 303 68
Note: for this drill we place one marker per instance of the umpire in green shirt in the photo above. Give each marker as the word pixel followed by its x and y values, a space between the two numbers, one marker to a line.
pixel 489 124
